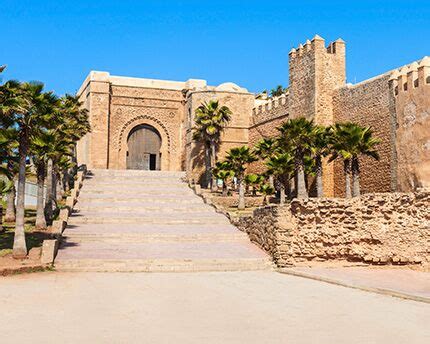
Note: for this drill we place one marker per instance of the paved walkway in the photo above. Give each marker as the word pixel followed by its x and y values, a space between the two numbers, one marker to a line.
pixel 223 307
pixel 392 281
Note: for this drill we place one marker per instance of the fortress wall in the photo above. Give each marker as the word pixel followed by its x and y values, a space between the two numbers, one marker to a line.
pixel 235 134
pixel 94 93
pixel 369 103
pixel 411 86
pixel 265 120
pixel 82 146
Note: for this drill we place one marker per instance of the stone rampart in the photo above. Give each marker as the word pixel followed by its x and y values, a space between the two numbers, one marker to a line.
pixel 411 88
pixel 388 228
pixel 369 103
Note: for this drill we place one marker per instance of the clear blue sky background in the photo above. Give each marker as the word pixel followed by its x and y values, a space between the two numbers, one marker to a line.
pixel 247 42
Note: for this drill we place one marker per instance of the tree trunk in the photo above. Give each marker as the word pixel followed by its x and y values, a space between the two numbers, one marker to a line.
pixel 291 189
pixel 282 194
pixel 214 186
pixel 319 173
pixel 10 215
pixel 355 177
pixel 40 213
pixel 58 188
pixel 19 244
pixel 271 182
pixel 66 180
pixel 208 167
pixel 75 167
pixel 49 201
pixel 224 188
pixel 347 171
pixel 301 184
pixel 54 187
pixel 241 204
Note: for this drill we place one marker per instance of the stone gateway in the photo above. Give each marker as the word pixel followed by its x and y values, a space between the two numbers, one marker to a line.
pixel 147 124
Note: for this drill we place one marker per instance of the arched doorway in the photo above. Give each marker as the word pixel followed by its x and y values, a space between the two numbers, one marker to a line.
pixel 143 148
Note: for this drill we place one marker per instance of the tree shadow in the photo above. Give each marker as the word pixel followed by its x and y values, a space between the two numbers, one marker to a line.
pixel 32 238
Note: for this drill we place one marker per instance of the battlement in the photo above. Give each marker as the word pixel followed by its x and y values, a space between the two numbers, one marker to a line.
pixel 410 77
pixel 317 44
pixel 269 104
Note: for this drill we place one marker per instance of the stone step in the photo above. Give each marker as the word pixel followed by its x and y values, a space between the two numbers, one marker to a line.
pixel 135 173
pixel 163 265
pixel 134 193
pixel 77 238
pixel 138 184
pixel 151 229
pixel 143 221
pixel 148 219
pixel 160 256
pixel 106 199
pixel 140 207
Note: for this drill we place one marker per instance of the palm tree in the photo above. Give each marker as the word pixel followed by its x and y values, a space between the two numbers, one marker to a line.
pixel 320 148
pixel 349 141
pixel 266 190
pixel 42 146
pixel 8 167
pixel 210 121
pixel 24 104
pixel 254 180
pixel 76 124
pixel 276 92
pixel 296 135
pixel 282 167
pixel 239 158
pixel 223 172
pixel 69 126
pixel 265 149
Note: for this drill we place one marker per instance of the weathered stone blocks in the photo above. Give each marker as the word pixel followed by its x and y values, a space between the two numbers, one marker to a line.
pixel 376 228
pixel 49 251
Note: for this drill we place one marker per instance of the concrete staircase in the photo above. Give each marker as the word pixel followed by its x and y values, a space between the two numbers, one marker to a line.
pixel 151 221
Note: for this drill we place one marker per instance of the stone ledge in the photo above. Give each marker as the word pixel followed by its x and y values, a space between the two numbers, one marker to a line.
pixel 49 251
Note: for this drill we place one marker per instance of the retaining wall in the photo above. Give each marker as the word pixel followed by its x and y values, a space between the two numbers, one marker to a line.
pixel 389 228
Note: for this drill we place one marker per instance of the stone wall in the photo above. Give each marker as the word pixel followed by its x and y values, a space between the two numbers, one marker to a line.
pixel 411 86
pixel 369 103
pixel 266 118
pixel 388 228
pixel 235 134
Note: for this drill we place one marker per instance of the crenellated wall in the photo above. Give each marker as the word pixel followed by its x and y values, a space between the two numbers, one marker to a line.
pixel 369 103
pixel 395 104
pixel 267 116
pixel 411 88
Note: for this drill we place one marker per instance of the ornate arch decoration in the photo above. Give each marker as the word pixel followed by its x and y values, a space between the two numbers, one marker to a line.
pixel 166 144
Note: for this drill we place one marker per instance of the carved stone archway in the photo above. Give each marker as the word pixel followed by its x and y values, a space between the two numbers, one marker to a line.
pixel 165 149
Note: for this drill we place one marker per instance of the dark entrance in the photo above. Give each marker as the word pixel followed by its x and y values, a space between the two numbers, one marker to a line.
pixel 144 143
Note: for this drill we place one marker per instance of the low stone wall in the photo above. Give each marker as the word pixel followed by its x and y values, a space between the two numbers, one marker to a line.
pixel 391 228
pixel 233 201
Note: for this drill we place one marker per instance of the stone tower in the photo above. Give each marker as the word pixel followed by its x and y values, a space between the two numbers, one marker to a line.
pixel 315 72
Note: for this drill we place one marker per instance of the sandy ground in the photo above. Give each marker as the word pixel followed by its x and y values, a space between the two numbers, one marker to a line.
pixel 236 307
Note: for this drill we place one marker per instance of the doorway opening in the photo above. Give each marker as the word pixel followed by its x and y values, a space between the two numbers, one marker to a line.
pixel 143 148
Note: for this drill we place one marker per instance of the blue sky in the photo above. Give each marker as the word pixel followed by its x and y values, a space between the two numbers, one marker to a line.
pixel 247 42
